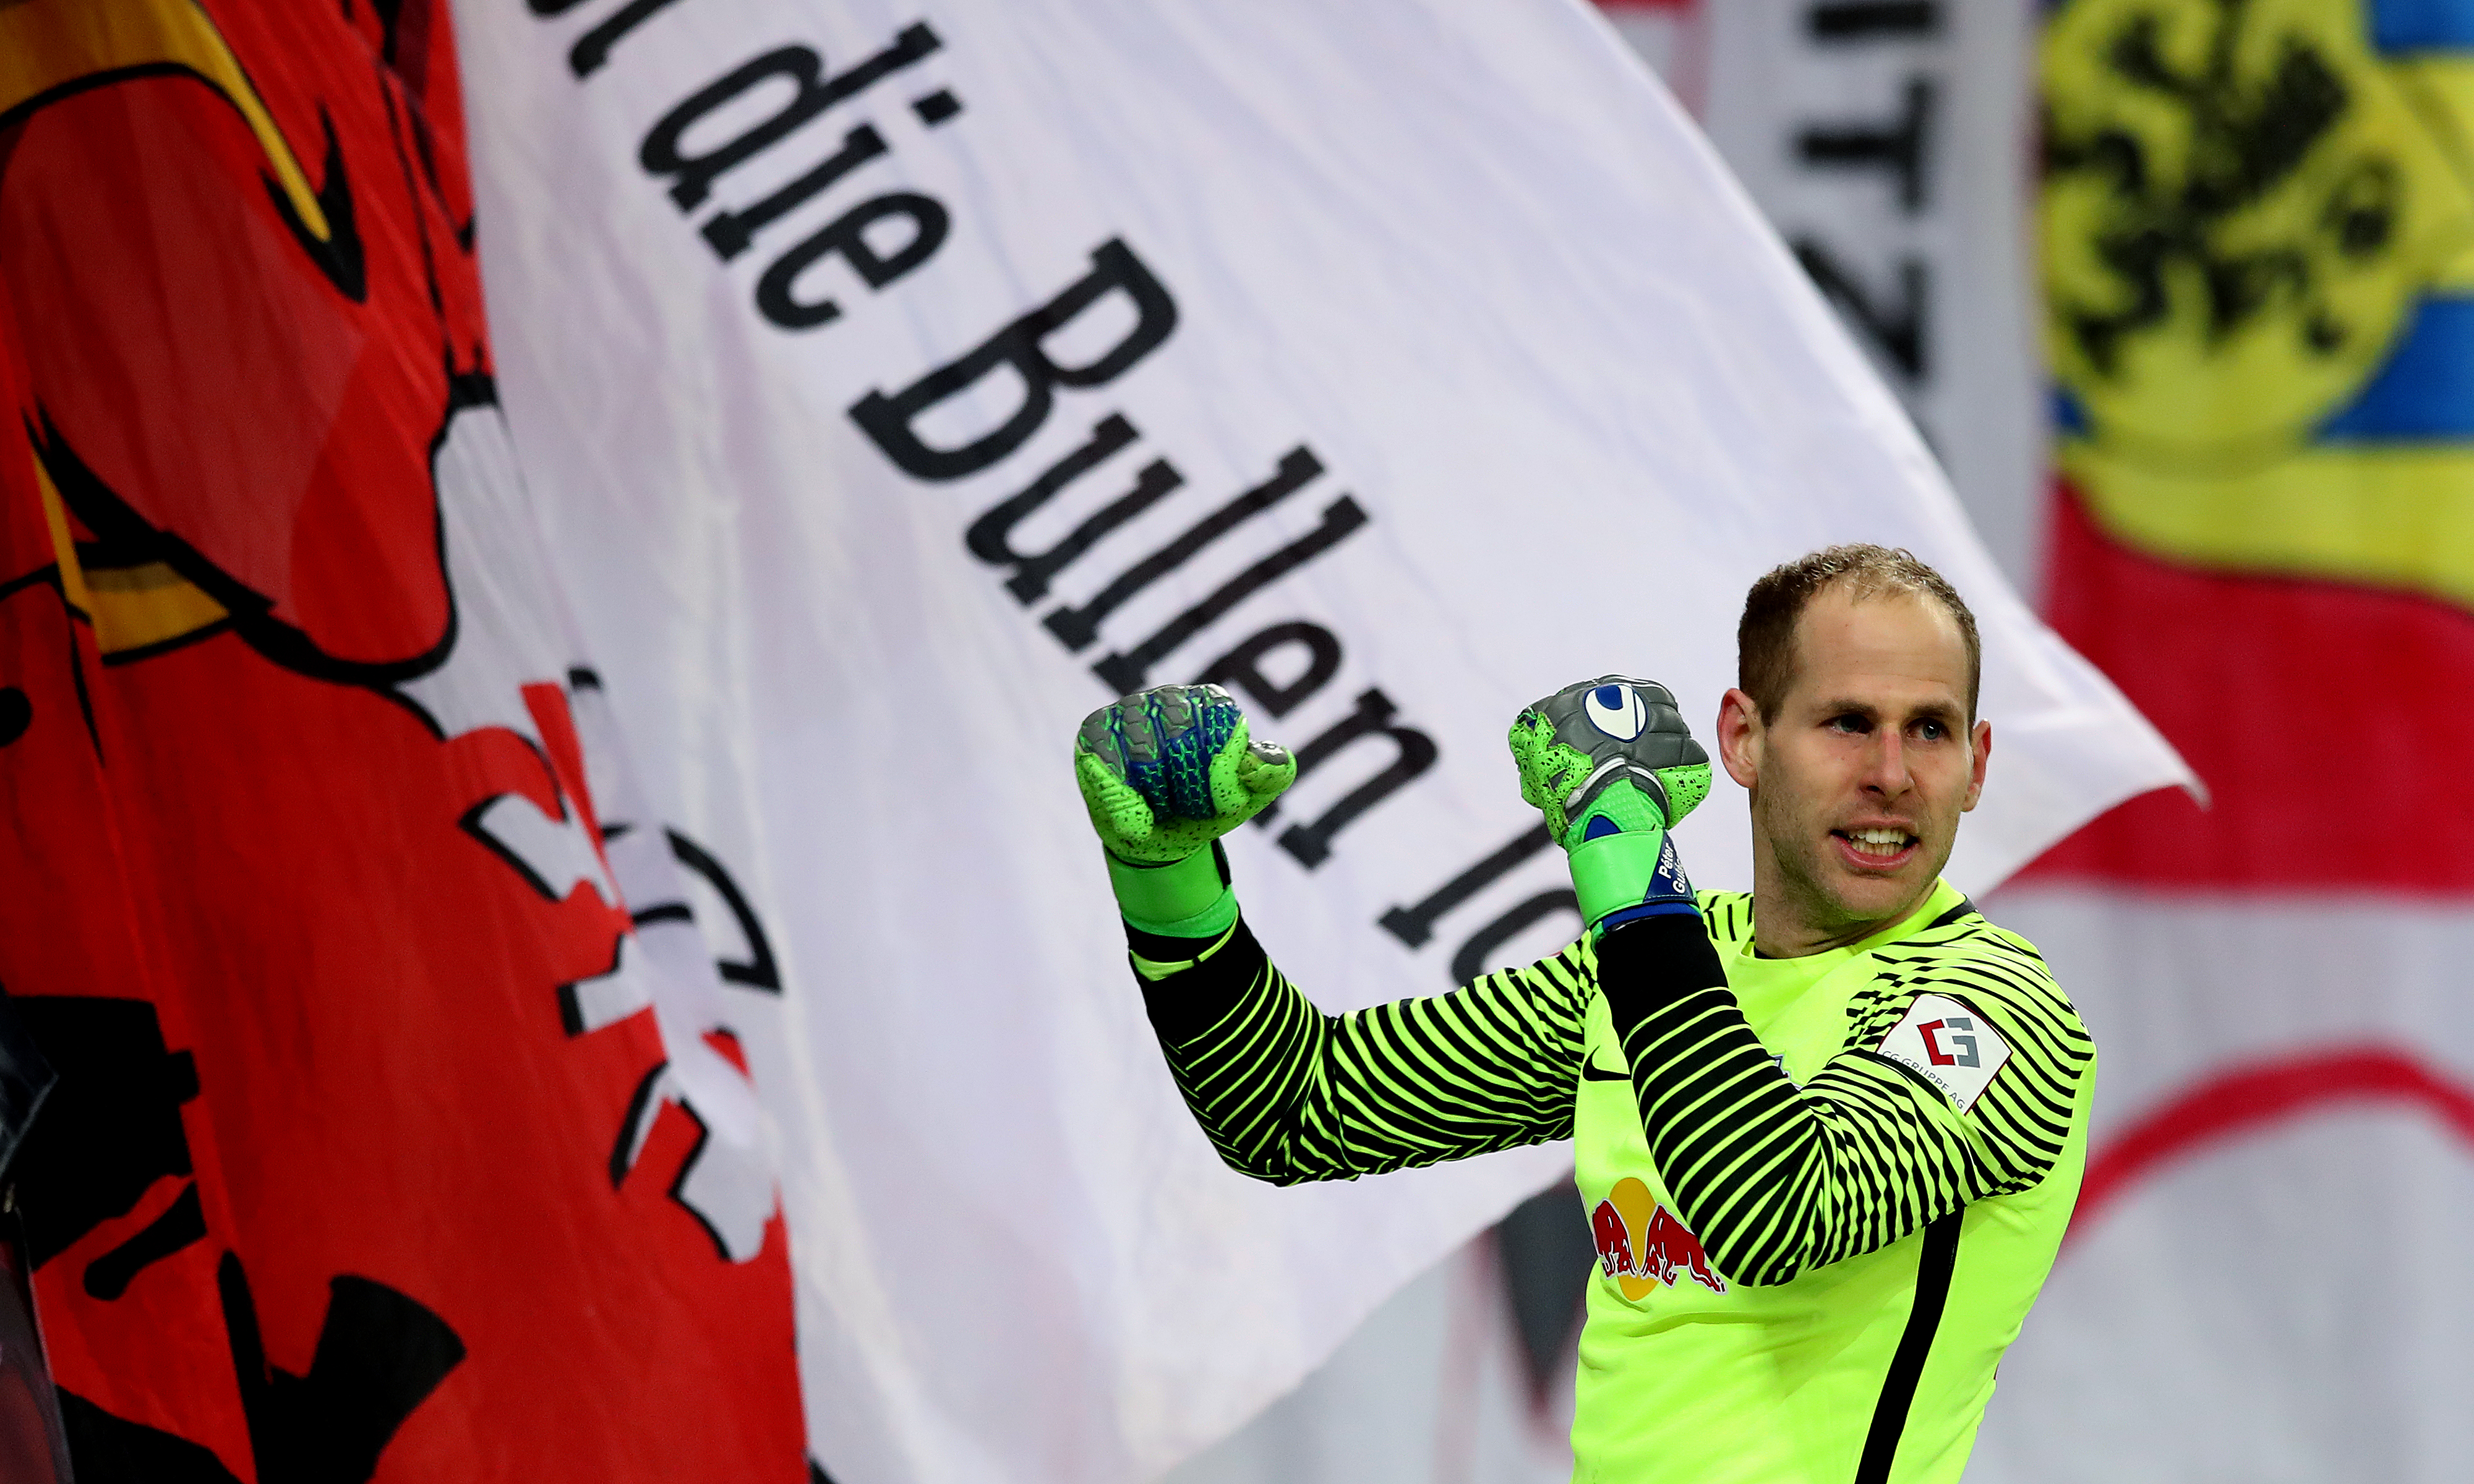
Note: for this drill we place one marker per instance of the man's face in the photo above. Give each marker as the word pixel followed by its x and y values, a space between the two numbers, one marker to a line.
pixel 1859 781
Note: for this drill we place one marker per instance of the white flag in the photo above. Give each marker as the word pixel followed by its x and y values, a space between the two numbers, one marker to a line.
pixel 902 382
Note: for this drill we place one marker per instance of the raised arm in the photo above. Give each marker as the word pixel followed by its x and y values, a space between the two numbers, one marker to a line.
pixel 1288 1094
pixel 1285 1092
pixel 1773 1178
pixel 1777 1179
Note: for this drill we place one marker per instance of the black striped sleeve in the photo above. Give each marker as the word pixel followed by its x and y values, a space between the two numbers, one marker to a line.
pixel 1776 1180
pixel 1288 1094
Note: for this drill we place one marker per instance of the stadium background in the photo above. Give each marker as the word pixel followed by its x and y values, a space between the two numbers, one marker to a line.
pixel 469 989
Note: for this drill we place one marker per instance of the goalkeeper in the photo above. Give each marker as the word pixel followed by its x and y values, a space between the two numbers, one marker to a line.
pixel 1829 1133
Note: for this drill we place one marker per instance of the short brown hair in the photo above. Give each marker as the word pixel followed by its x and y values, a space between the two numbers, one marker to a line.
pixel 1765 640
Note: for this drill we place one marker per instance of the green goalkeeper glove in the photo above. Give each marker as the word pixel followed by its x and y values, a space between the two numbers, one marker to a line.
pixel 1612 765
pixel 1165 774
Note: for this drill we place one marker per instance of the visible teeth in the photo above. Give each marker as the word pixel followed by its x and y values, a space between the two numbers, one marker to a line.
pixel 1879 841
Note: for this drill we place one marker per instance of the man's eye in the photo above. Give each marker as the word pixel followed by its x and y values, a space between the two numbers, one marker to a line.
pixel 1932 731
pixel 1850 724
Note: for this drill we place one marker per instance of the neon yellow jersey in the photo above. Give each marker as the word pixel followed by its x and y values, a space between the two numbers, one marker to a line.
pixel 1822 1196
pixel 1876 1367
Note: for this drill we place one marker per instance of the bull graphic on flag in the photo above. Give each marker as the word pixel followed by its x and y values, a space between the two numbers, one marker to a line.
pixel 370 1157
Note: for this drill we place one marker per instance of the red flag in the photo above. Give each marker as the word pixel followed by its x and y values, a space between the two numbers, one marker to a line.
pixel 365 1161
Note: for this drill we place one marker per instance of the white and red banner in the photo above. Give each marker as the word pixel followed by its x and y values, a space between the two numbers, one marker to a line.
pixel 2263 525
pixel 896 384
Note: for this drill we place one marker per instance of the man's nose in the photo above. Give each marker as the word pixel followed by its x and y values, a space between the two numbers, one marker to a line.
pixel 1886 765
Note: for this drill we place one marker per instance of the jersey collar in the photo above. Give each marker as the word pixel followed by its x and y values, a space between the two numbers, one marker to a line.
pixel 1943 902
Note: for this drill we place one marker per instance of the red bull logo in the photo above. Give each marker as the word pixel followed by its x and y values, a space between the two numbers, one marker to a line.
pixel 1641 1245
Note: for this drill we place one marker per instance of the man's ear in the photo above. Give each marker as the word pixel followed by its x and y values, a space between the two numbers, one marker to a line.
pixel 1981 749
pixel 1740 738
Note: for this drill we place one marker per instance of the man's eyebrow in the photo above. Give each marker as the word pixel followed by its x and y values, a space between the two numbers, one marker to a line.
pixel 1935 711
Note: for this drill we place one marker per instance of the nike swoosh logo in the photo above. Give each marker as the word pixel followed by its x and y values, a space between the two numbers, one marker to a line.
pixel 1592 1071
